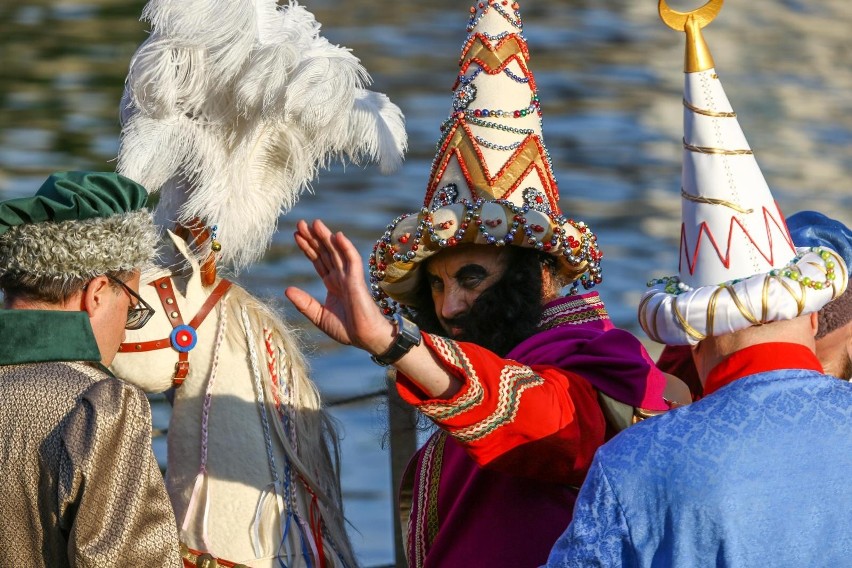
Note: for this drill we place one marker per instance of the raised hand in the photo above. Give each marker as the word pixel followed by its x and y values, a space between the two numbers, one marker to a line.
pixel 349 314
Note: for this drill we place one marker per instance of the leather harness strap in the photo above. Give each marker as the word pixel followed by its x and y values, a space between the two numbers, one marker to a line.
pixel 182 338
pixel 196 559
pixel 212 300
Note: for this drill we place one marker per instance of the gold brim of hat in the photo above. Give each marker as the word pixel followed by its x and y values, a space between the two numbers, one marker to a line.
pixel 411 239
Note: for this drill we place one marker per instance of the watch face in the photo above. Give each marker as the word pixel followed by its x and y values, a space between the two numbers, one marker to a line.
pixel 408 331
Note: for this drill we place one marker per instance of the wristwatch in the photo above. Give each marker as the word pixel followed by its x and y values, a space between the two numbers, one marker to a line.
pixel 407 336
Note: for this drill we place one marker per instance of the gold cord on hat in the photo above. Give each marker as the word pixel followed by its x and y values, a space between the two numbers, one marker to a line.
pixel 712 201
pixel 710 113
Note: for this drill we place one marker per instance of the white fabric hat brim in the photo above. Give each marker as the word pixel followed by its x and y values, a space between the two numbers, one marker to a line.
pixel 673 314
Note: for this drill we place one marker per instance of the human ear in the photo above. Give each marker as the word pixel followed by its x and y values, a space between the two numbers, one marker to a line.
pixel 814 322
pixel 94 295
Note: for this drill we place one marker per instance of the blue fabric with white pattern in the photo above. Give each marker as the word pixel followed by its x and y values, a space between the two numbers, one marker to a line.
pixel 757 474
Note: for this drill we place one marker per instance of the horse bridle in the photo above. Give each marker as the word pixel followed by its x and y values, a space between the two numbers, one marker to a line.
pixel 183 336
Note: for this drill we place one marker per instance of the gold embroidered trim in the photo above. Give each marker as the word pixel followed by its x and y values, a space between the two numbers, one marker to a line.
pixel 577 311
pixel 432 520
pixel 450 353
pixel 711 201
pixel 577 318
pixel 720 151
pixel 514 380
pixel 705 112
pixel 426 526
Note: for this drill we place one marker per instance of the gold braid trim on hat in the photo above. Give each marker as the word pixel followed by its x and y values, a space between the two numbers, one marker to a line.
pixel 750 317
pixel 711 150
pixel 694 333
pixel 643 318
pixel 711 310
pixel 705 112
pixel 800 300
pixel 765 298
pixel 711 201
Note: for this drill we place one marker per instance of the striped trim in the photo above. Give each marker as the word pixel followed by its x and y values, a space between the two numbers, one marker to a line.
pixel 581 310
pixel 422 533
pixel 514 380
pixel 451 354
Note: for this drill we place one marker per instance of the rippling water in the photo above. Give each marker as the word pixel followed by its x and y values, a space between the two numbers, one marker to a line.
pixel 610 82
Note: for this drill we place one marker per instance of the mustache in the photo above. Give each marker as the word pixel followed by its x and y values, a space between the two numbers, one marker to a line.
pixel 460 321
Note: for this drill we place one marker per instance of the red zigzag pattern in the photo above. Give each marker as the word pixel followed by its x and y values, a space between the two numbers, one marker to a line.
pixel 769 220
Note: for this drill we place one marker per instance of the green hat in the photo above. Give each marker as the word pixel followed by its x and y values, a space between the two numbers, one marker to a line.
pixel 78 224
pixel 74 196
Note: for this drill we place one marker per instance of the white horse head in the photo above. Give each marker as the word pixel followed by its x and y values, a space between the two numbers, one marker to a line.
pixel 252 457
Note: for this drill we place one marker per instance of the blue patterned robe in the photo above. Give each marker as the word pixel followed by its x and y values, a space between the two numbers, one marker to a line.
pixel 757 474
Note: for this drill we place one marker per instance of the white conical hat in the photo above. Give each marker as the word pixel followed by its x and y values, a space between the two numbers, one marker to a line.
pixel 738 266
pixel 491 182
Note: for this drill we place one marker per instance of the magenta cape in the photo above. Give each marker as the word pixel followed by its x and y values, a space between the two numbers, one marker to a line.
pixel 613 360
pixel 491 518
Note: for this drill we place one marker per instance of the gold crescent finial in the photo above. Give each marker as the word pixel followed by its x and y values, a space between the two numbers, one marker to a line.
pixel 698 56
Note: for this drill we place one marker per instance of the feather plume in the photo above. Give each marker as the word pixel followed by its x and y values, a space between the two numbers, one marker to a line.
pixel 230 109
pixel 382 121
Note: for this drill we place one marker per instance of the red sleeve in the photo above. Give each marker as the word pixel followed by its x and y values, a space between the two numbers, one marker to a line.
pixel 677 360
pixel 537 421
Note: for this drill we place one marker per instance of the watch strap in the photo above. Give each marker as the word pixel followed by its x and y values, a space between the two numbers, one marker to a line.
pixel 407 336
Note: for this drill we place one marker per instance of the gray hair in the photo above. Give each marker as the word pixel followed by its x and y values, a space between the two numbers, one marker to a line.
pixel 51 261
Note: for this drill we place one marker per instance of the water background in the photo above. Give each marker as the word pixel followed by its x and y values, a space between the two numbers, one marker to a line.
pixel 609 75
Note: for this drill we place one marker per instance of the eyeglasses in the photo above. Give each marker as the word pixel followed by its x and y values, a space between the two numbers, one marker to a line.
pixel 138 315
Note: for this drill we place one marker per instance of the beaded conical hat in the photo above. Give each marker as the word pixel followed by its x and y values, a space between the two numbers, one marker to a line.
pixel 491 182
pixel 738 265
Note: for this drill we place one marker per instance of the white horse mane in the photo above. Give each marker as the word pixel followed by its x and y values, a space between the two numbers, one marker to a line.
pixel 281 472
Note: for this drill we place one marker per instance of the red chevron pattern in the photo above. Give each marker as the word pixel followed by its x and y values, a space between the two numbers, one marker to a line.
pixel 528 156
pixel 769 220
pixel 494 59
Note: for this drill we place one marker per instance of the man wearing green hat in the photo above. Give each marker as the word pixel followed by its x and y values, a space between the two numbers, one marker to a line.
pixel 81 486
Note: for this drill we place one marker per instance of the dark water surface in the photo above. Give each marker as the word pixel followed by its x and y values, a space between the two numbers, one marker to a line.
pixel 609 75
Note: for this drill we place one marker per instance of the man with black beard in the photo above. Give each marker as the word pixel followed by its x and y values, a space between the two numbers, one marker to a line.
pixel 523 384
pixel 504 314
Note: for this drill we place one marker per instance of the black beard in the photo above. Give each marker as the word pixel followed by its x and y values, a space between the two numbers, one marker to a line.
pixel 502 316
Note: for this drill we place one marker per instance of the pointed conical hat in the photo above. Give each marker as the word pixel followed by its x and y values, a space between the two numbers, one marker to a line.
pixel 491 182
pixel 738 265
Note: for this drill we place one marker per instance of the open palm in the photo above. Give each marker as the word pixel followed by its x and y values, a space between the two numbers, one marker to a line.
pixel 349 314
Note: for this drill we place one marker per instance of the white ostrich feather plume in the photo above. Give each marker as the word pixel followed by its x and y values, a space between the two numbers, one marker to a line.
pixel 231 107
